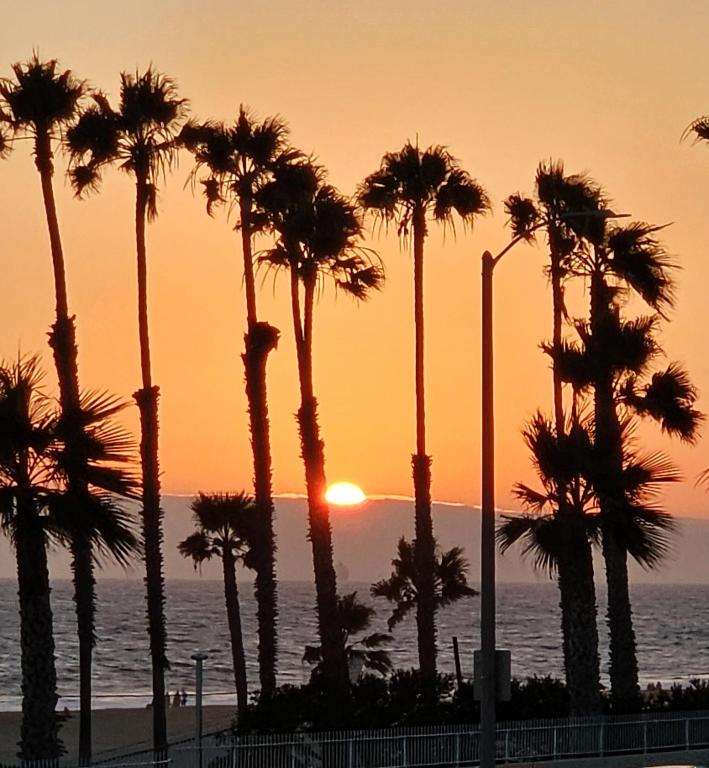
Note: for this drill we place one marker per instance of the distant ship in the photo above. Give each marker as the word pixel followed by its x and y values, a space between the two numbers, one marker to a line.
pixel 342 572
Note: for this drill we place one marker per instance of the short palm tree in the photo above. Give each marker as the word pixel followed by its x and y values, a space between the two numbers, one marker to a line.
pixel 317 233
pixel 35 461
pixel 367 652
pixel 140 136
pixel 410 186
pixel 238 160
pixel 225 526
pixel 40 104
pixel 560 545
pixel 27 477
pixel 450 580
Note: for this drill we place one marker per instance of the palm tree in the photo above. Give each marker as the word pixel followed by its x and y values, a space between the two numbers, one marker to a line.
pixel 225 526
pixel 559 200
pixel 450 582
pixel 616 355
pixel 140 135
pixel 367 652
pixel 39 104
pixel 36 459
pixel 27 437
pixel 238 160
pixel 560 545
pixel 317 233
pixel 411 186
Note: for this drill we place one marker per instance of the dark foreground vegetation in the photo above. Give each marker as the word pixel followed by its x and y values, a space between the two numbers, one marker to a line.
pixel 384 702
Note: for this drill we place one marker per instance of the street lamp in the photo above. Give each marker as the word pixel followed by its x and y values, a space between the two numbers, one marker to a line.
pixel 199 657
pixel 488 677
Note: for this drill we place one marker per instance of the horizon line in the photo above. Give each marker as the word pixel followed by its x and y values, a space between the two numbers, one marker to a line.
pixel 369 497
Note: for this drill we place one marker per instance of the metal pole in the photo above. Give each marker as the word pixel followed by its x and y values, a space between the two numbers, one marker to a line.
pixel 456 658
pixel 487 533
pixel 199 658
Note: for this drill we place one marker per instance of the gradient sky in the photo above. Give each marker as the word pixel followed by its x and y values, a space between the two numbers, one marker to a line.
pixel 606 86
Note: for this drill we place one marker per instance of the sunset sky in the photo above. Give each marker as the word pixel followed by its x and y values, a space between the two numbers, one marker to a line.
pixel 606 86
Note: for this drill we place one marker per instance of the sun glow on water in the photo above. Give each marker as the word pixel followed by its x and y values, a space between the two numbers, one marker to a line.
pixel 345 494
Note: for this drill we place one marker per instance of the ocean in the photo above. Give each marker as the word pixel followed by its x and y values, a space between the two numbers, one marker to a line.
pixel 671 623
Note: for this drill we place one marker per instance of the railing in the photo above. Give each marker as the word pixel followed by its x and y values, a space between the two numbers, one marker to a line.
pixel 449 746
pixel 428 746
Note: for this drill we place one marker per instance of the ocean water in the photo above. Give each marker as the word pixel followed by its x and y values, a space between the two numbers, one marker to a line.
pixel 671 621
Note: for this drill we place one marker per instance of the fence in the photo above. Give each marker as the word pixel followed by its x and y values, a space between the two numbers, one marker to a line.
pixel 428 746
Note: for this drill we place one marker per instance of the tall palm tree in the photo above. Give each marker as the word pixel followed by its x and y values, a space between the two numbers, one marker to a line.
pixel 410 187
pixel 225 526
pixel 450 580
pixel 140 136
pixel 317 233
pixel 40 104
pixel 367 652
pixel 616 353
pixel 238 159
pixel 559 200
pixel 27 472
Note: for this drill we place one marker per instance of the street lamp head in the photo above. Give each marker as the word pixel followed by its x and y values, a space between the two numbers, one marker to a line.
pixel 199 656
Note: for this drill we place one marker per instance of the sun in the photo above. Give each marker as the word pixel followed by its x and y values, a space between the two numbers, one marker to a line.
pixel 345 494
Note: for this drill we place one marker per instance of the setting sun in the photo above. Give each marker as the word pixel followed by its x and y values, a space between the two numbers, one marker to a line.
pixel 345 494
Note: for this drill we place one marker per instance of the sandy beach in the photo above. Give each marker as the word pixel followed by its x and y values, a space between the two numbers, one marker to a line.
pixel 116 731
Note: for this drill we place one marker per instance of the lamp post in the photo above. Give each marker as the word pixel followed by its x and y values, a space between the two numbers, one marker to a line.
pixel 488 676
pixel 487 745
pixel 199 659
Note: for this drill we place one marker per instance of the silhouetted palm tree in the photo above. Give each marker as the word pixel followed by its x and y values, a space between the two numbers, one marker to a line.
pixel 450 582
pixel 225 524
pixel 559 200
pixel 140 136
pixel 239 159
pixel 616 355
pixel 39 104
pixel 317 235
pixel 363 654
pixel 410 186
pixel 34 461
pixel 27 472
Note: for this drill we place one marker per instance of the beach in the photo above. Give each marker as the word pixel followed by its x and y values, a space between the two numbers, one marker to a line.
pixel 118 731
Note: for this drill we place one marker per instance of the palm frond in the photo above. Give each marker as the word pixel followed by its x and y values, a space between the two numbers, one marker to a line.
pixel 539 536
pixel 196 546
pixel 638 258
pixel 524 216
pixel 669 399
pixel 700 129
pixel 41 97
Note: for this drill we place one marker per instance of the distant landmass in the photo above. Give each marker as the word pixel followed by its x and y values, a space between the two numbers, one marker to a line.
pixel 365 540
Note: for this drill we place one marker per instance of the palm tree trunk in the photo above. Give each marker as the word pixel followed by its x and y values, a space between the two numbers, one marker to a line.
pixel 85 602
pixel 39 732
pixel 578 610
pixel 259 340
pixel 623 667
pixel 147 400
pixel 62 340
pixel 233 611
pixel 625 688
pixel 421 464
pixel 319 530
pixel 557 291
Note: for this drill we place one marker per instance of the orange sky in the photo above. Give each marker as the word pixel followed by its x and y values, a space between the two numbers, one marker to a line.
pixel 606 86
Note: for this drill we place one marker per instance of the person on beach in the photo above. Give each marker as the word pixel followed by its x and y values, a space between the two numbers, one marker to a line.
pixel 176 699
pixel 183 698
